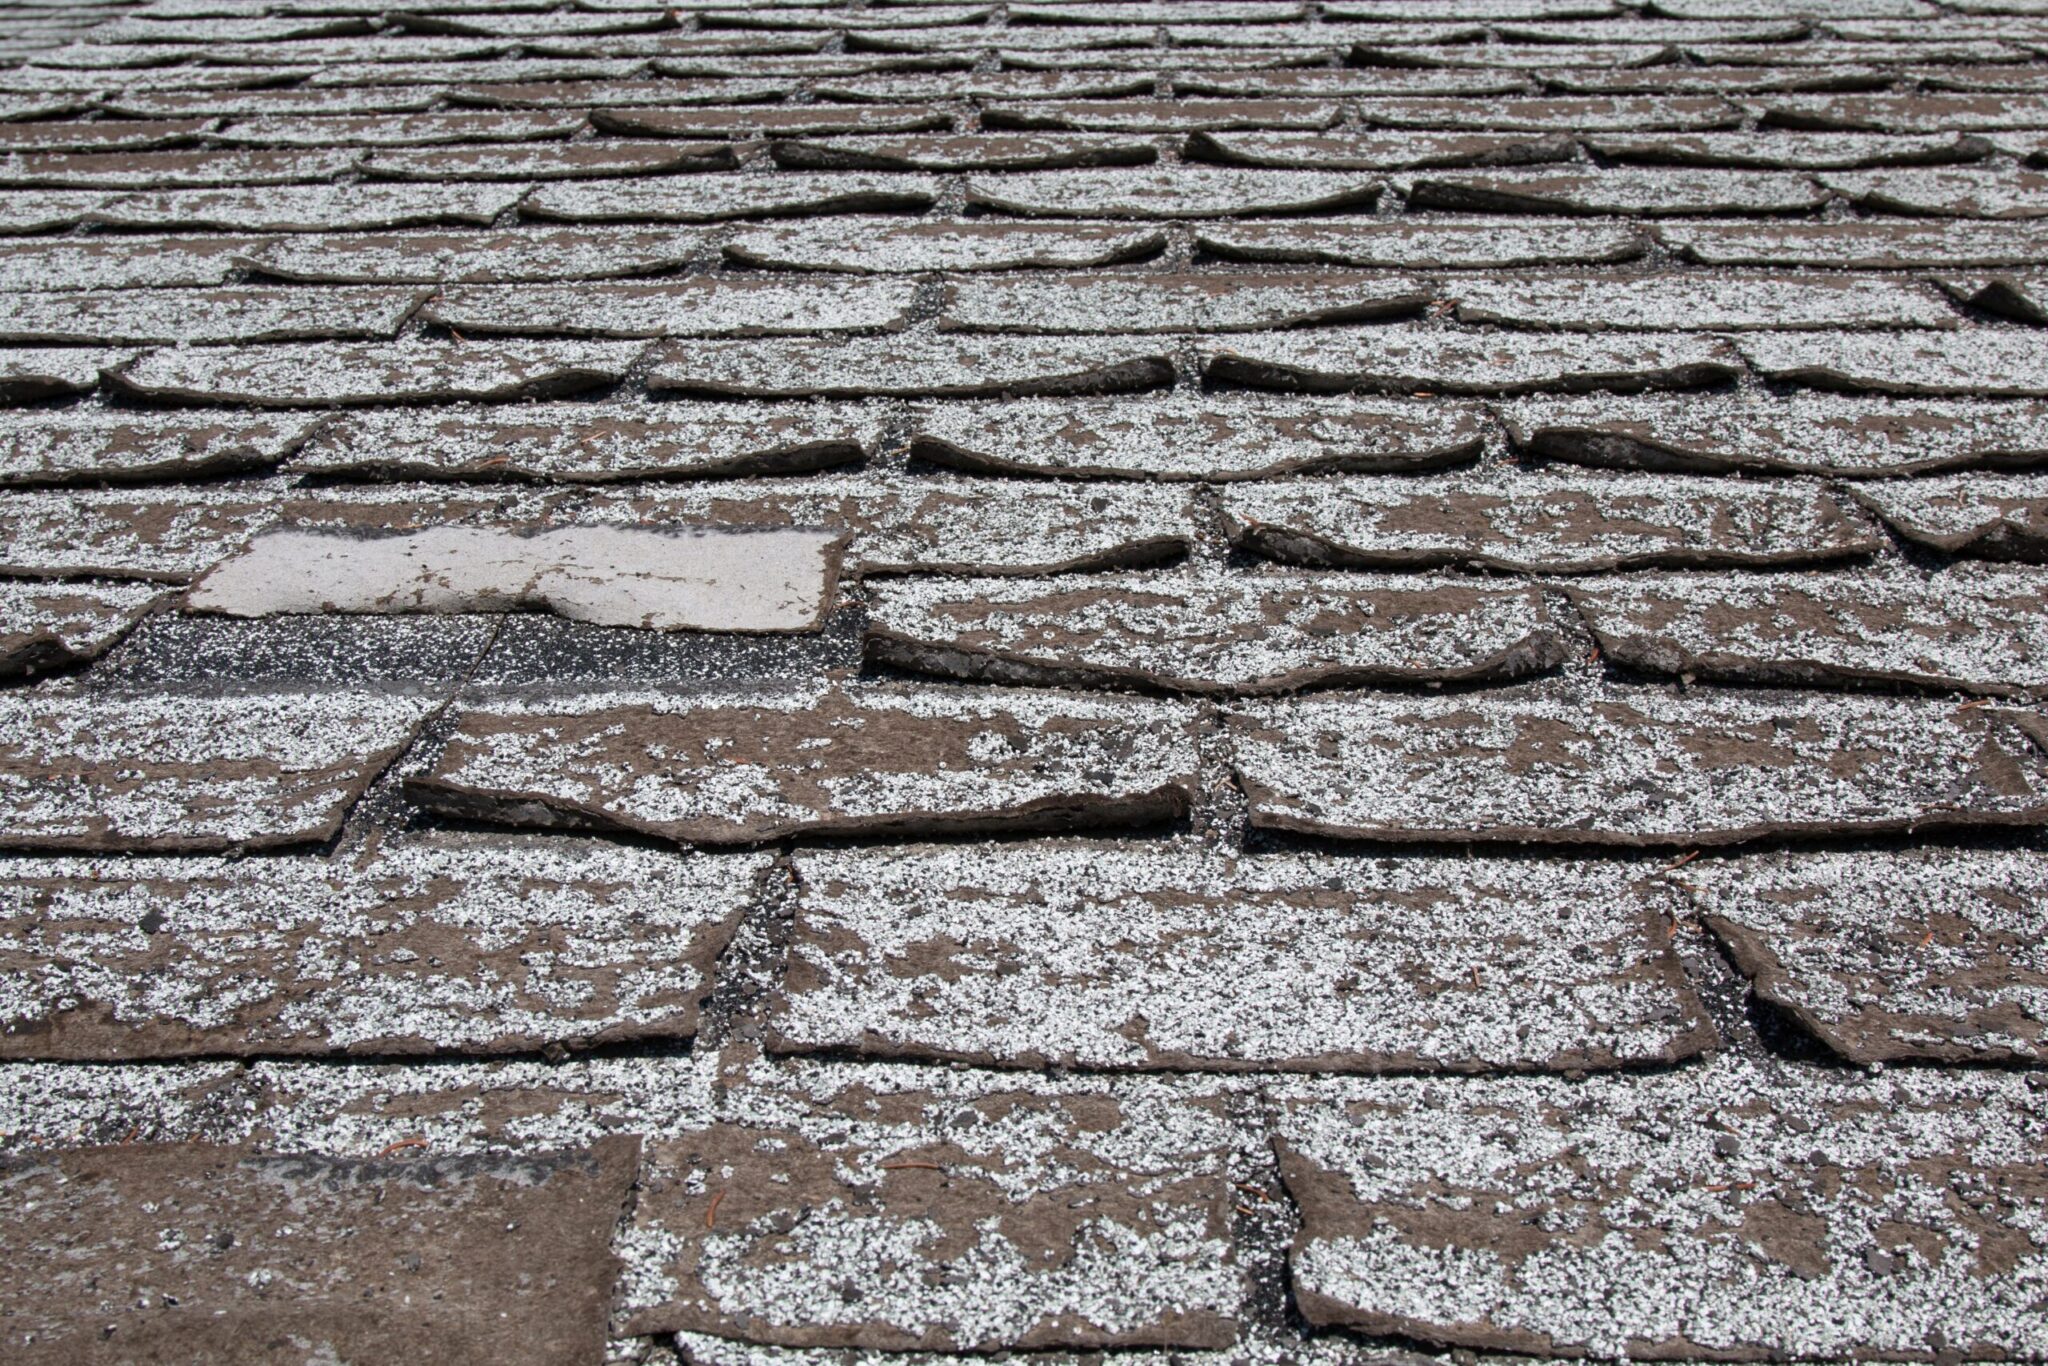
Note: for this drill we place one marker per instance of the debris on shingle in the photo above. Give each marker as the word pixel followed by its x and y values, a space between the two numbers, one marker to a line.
pixel 1780 151
pixel 1930 955
pixel 1992 364
pixel 977 152
pixel 200 1251
pixel 191 772
pixel 747 767
pixel 701 580
pixel 40 447
pixel 1196 436
pixel 31 373
pixel 1172 192
pixel 547 161
pixel 456 943
pixel 120 262
pixel 1439 243
pixel 1946 193
pixel 1208 630
pixel 46 626
pixel 1646 767
pixel 1799 433
pixel 473 258
pixel 162 534
pixel 1734 1209
pixel 1104 957
pixel 1429 360
pixel 1617 191
pixel 323 375
pixel 1993 517
pixel 1587 302
pixel 1375 151
pixel 913 366
pixel 890 246
pixel 311 208
pixel 1198 303
pixel 1536 522
pixel 1972 628
pixel 704 305
pixel 264 314
pixel 1854 244
pixel 707 198
pixel 1552 114
pixel 927 1210
pixel 587 443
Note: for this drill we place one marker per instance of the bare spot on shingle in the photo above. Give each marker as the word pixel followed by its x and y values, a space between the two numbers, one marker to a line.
pixel 1798 433
pixel 31 373
pixel 1993 517
pixel 1732 1210
pixel 964 152
pixel 1196 436
pixel 912 366
pixel 703 199
pixel 262 314
pixel 1429 360
pixel 1086 956
pixel 1618 191
pixel 474 258
pixel 1201 303
pixel 1893 955
pixel 1542 522
pixel 1633 766
pixel 1201 629
pixel 548 161
pixel 919 1209
pixel 587 443
pixel 1454 244
pixel 464 943
pixel 323 375
pixel 191 772
pixel 748 767
pixel 887 246
pixel 705 305
pixel 1374 151
pixel 1943 193
pixel 702 580
pixel 1682 300
pixel 1172 192
pixel 1994 364
pixel 209 1252
pixel 311 208
pixel 40 447
pixel 1972 627
pixel 50 626
pixel 120 262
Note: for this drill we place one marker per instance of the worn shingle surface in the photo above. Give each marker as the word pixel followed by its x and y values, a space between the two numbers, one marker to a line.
pixel 872 682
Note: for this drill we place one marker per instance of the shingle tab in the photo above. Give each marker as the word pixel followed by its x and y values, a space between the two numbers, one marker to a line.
pixel 734 768
pixel 1660 302
pixel 272 314
pixel 1992 364
pixel 53 626
pixel 441 943
pixel 1988 516
pixel 704 306
pixel 1438 243
pixel 1428 360
pixel 919 365
pixel 1646 192
pixel 1633 766
pixel 311 208
pixel 891 246
pixel 324 375
pixel 474 258
pixel 1857 244
pixel 185 773
pixel 37 447
pixel 704 199
pixel 1543 522
pixel 1020 956
pixel 963 152
pixel 1203 303
pixel 1171 192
